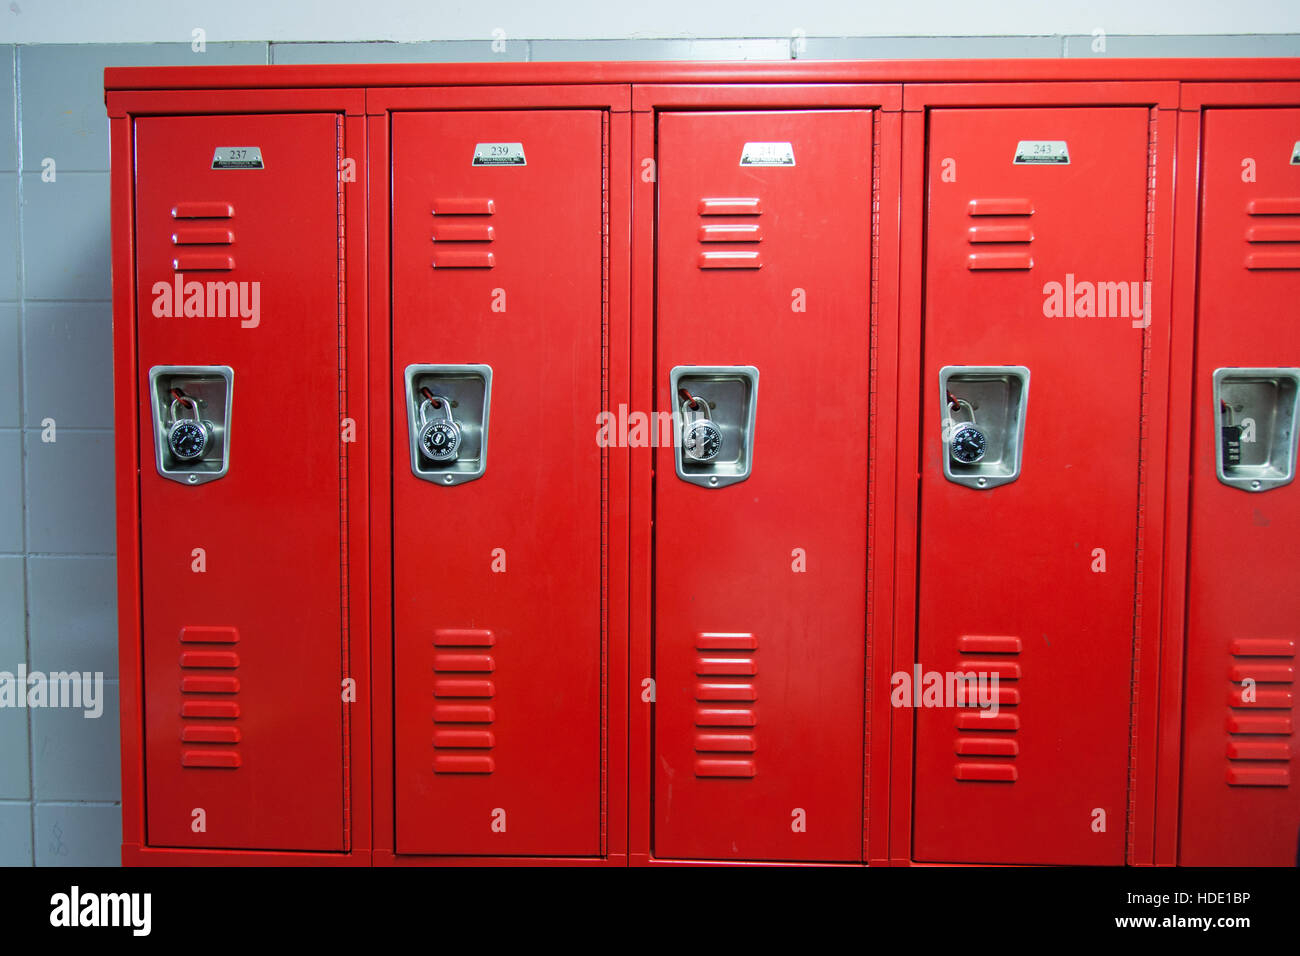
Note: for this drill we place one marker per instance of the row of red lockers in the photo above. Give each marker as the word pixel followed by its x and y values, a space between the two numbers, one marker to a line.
pixel 589 648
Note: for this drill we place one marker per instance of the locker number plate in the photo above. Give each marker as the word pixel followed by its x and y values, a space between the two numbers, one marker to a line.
pixel 1042 152
pixel 767 154
pixel 237 157
pixel 499 154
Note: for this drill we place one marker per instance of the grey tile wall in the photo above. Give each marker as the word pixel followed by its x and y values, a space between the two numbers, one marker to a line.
pixel 77 834
pixel 10 384
pixel 9 261
pixel 560 50
pixel 1121 46
pixel 447 51
pixel 15 833
pixel 65 626
pixel 68 342
pixel 13 614
pixel 11 492
pixel 8 105
pixel 65 237
pixel 59 787
pixel 62 93
pixel 927 48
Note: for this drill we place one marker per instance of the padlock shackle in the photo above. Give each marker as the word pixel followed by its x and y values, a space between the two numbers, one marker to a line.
pixel 955 404
pixel 693 405
pixel 185 402
pixel 435 401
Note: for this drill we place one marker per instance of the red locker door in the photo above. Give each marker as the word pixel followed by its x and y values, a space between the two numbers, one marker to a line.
pixel 243 660
pixel 1007 579
pixel 759 734
pixel 514 559
pixel 1241 799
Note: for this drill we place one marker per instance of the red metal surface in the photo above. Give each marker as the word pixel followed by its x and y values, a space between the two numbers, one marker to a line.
pixel 126 474
pixel 986 554
pixel 803 71
pixel 539 505
pixel 1151 729
pixel 724 557
pixel 273 521
pixel 1239 809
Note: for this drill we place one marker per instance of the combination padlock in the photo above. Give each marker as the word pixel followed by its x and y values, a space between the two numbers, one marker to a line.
pixel 966 440
pixel 1231 437
pixel 439 438
pixel 187 437
pixel 701 439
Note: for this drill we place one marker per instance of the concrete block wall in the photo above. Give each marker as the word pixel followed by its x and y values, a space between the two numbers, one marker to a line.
pixel 59 787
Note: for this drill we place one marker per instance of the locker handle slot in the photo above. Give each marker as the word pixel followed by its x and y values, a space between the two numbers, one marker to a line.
pixel 1280 206
pixel 202 235
pixel 730 259
pixel 731 232
pixel 1256 411
pixel 202 262
pixel 202 210
pixel 731 206
pixel 461 206
pixel 1012 233
pixel 1000 207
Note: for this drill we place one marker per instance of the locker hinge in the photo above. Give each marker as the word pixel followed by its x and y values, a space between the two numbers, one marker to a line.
pixel 1144 438
pixel 344 612
pixel 871 470
pixel 604 486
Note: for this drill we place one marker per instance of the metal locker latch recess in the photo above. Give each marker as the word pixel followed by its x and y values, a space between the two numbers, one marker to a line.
pixel 447 412
pixel 714 408
pixel 982 420
pixel 1255 437
pixel 191 417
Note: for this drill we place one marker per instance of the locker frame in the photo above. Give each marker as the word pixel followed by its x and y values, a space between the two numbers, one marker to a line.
pixel 380 105
pixel 885 100
pixel 1195 98
pixel 129 431
pixel 1161 98
pixel 363 93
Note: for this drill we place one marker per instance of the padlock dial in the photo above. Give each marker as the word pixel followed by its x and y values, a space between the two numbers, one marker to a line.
pixel 439 441
pixel 968 444
pixel 702 441
pixel 187 440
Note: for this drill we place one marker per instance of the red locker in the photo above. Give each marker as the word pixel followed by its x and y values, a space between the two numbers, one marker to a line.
pixel 1031 214
pixel 499 622
pixel 764 253
pixel 1240 799
pixel 243 666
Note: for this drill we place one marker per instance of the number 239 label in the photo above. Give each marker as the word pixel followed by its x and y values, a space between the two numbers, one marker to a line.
pixel 499 154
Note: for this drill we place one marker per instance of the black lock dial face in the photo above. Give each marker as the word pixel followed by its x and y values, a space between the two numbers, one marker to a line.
pixel 438 441
pixel 968 444
pixel 702 442
pixel 187 440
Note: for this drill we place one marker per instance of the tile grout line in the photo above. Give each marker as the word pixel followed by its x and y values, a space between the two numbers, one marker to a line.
pixel 22 440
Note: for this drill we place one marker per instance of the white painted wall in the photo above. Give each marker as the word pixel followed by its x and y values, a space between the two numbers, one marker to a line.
pixel 122 21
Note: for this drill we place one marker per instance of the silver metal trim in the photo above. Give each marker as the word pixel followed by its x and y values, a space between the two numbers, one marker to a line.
pixel 985 474
pixel 715 474
pixel 190 476
pixel 1279 471
pixel 450 474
